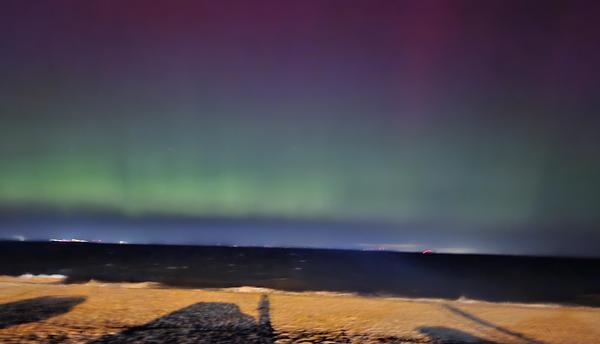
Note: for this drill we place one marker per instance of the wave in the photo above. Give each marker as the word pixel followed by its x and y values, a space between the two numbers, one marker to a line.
pixel 43 276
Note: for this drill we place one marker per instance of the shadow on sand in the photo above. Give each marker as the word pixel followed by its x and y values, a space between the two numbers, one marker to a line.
pixel 203 322
pixel 37 309
pixel 447 335
pixel 486 324
pixel 216 322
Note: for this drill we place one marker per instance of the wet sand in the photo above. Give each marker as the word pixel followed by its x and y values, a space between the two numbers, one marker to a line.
pixel 45 310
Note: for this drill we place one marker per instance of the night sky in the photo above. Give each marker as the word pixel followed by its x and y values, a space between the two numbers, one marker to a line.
pixel 462 126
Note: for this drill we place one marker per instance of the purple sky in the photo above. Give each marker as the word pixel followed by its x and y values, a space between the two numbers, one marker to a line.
pixel 447 123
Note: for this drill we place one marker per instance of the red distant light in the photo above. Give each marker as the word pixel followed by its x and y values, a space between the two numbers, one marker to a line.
pixel 427 252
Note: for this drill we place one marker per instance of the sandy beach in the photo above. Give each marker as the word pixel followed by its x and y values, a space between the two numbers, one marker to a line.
pixel 36 310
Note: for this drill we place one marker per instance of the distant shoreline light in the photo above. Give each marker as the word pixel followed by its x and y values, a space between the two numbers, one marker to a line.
pixel 68 240
pixel 122 242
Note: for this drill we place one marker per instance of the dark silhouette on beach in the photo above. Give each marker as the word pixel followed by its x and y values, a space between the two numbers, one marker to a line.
pixel 37 309
pixel 218 322
pixel 202 322
pixel 486 324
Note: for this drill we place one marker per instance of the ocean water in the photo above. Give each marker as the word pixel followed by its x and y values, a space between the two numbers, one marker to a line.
pixel 374 273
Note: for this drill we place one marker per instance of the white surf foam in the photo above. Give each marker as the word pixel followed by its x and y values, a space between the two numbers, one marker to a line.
pixel 43 276
pixel 129 285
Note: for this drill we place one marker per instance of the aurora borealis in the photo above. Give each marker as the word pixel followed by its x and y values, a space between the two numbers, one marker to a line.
pixel 466 118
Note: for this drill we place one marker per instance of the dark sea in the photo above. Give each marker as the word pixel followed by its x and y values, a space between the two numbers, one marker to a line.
pixel 373 273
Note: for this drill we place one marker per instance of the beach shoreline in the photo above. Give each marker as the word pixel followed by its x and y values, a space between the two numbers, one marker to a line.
pixel 99 312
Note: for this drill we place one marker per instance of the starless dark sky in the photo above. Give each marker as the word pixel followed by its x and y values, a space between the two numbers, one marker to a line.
pixel 458 125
